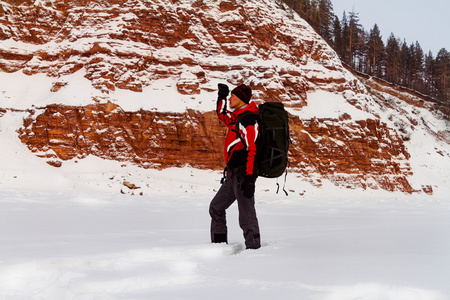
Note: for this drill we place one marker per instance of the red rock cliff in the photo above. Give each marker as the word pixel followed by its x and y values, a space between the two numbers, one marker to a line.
pixel 130 44
pixel 363 154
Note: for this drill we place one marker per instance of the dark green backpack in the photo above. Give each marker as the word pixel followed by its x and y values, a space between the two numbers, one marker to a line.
pixel 274 128
pixel 273 148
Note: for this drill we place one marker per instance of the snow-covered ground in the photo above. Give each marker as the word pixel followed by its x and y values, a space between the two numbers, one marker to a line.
pixel 78 237
pixel 69 233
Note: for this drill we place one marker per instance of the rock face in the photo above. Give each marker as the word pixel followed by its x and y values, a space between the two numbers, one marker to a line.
pixel 363 154
pixel 150 139
pixel 127 45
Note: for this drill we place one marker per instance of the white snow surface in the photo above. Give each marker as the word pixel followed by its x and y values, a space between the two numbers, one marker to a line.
pixel 323 104
pixel 69 232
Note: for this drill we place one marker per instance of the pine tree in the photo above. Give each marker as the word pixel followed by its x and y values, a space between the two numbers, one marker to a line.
pixel 325 14
pixel 430 75
pixel 443 79
pixel 404 64
pixel 355 31
pixel 302 7
pixel 417 67
pixel 375 49
pixel 345 39
pixel 392 59
pixel 337 37
pixel 314 16
pixel 361 52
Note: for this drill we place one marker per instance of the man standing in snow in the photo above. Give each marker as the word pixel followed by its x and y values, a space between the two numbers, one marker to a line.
pixel 241 173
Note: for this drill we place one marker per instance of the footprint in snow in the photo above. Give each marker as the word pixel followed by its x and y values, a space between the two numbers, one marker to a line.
pixel 233 249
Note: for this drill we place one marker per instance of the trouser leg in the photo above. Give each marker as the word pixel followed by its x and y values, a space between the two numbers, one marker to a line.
pixel 223 199
pixel 247 217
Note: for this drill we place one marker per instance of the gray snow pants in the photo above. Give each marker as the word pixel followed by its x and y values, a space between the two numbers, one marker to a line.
pixel 227 194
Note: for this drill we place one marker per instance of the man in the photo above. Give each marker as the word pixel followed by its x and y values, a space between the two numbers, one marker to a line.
pixel 241 173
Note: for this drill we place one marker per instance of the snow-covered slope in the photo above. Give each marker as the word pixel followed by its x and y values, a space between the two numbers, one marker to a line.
pixel 137 45
pixel 163 60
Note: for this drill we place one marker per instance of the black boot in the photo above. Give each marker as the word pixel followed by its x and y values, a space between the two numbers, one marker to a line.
pixel 220 238
pixel 253 242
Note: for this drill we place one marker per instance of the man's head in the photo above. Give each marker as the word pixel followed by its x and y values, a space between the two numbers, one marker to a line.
pixel 243 94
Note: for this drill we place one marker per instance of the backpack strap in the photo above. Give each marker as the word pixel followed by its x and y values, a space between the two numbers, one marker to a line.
pixel 272 148
pixel 284 184
pixel 246 119
pixel 238 121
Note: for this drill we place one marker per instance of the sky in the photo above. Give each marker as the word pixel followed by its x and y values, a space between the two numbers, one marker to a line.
pixel 412 20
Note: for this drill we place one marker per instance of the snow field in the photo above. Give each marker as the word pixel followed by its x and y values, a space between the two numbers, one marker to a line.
pixel 69 232
pixel 72 234
pixel 102 245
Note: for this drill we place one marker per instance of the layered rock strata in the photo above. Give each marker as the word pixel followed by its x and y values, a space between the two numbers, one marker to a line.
pixel 131 44
pixel 362 153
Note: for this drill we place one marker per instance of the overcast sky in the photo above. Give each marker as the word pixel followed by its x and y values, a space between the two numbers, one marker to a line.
pixel 425 21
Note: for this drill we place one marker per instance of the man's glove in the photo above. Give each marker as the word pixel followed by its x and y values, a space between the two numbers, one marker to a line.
pixel 248 186
pixel 223 91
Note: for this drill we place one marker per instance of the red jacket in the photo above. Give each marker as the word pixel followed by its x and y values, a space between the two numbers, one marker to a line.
pixel 240 155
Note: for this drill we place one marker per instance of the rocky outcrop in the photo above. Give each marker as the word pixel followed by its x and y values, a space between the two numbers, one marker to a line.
pixel 351 153
pixel 130 44
pixel 360 153
pixel 149 139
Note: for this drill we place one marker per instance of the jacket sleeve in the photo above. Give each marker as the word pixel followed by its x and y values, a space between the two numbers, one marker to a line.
pixel 249 131
pixel 224 116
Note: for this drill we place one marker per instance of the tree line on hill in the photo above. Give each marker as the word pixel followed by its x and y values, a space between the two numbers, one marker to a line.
pixel 395 61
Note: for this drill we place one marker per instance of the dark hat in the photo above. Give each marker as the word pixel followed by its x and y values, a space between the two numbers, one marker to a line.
pixel 243 92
